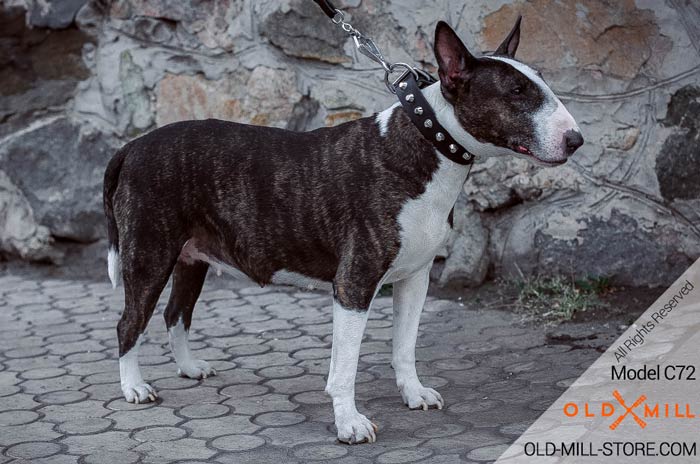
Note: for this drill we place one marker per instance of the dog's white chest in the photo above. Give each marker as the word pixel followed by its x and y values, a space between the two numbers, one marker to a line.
pixel 423 221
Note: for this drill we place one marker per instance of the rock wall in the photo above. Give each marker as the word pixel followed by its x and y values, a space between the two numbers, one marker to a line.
pixel 79 78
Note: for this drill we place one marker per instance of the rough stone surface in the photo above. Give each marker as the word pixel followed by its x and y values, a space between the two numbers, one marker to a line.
pixel 628 71
pixel 60 399
pixel 55 15
pixel 678 166
pixel 59 166
pixel 21 235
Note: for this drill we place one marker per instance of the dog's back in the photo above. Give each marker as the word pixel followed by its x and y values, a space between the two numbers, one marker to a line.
pixel 261 199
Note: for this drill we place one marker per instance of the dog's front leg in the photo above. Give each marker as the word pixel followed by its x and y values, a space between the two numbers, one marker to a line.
pixel 348 327
pixel 409 297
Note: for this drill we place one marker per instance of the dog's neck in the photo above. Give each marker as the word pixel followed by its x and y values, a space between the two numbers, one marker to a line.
pixel 444 112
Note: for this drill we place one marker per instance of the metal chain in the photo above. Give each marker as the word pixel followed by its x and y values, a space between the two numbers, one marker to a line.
pixel 367 47
pixel 339 18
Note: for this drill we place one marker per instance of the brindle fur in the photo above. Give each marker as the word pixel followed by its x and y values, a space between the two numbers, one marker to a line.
pixel 325 204
pixel 322 203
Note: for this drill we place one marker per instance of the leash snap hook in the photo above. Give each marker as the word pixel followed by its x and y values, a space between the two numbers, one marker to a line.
pixel 367 47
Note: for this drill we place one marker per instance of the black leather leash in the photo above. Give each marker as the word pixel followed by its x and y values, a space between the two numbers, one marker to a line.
pixel 327 7
pixel 408 89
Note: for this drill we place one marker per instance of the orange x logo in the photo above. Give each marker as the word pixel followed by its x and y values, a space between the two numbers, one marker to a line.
pixel 628 410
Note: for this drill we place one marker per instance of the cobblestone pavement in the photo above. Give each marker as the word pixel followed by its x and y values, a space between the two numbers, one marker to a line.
pixel 60 400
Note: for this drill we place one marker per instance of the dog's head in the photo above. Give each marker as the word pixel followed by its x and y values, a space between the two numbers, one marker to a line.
pixel 504 103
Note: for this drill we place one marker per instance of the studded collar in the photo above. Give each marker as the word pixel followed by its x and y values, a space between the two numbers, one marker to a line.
pixel 421 114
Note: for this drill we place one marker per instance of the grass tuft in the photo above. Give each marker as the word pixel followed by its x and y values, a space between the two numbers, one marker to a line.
pixel 559 299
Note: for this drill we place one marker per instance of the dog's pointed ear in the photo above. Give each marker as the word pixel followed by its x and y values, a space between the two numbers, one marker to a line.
pixel 453 58
pixel 510 44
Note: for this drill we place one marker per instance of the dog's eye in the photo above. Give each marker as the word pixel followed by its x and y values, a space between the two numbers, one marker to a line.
pixel 516 90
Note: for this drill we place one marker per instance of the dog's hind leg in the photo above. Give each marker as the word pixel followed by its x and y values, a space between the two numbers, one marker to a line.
pixel 188 279
pixel 409 297
pixel 145 272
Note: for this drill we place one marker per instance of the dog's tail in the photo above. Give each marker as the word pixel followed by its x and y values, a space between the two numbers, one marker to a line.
pixel 111 181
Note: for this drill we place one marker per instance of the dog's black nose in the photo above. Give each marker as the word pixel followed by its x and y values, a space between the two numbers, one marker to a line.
pixel 572 141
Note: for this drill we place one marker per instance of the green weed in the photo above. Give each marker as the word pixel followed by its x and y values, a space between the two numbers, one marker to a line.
pixel 559 299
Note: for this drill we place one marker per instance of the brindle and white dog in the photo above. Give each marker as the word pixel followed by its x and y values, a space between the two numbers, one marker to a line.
pixel 349 207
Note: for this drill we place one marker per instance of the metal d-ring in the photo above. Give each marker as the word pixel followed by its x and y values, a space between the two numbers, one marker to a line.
pixel 339 17
pixel 392 67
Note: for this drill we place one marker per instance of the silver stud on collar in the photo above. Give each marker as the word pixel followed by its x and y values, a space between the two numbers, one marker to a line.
pixel 428 123
pixel 439 137
pixel 466 156
pixel 403 86
pixel 453 148
pixel 418 110
pixel 410 98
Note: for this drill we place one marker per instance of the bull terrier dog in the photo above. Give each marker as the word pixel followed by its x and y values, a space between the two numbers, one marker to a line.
pixel 346 208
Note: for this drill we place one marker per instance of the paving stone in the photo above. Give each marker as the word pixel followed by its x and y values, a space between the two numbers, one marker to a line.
pixel 174 383
pixel 404 455
pixel 62 397
pixel 99 442
pixel 187 396
pixel 129 420
pixel 65 382
pixel 473 406
pixel 213 427
pixel 110 392
pixel 184 448
pixel 280 372
pixel 246 390
pixel 313 397
pixel 29 352
pixel 237 442
pixel 122 457
pixel 85 425
pixel 84 409
pixel 93 366
pixel 320 452
pixel 235 376
pixel 248 350
pixel 33 450
pixel 441 430
pixel 487 453
pixel 23 364
pixel 204 410
pixel 376 358
pixel 18 401
pixel 274 358
pixel 516 429
pixel 467 440
pixel 61 402
pixel 297 384
pixel 264 403
pixel 17 417
pixel 290 436
pixel 454 364
pixel 152 434
pixel 57 459
pixel 35 431
pixel 279 418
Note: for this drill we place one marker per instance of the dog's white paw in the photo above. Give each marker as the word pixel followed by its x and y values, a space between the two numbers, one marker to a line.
pixel 139 393
pixel 355 428
pixel 417 396
pixel 196 369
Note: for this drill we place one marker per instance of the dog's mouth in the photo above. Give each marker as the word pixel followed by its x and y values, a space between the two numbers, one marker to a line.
pixel 523 150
